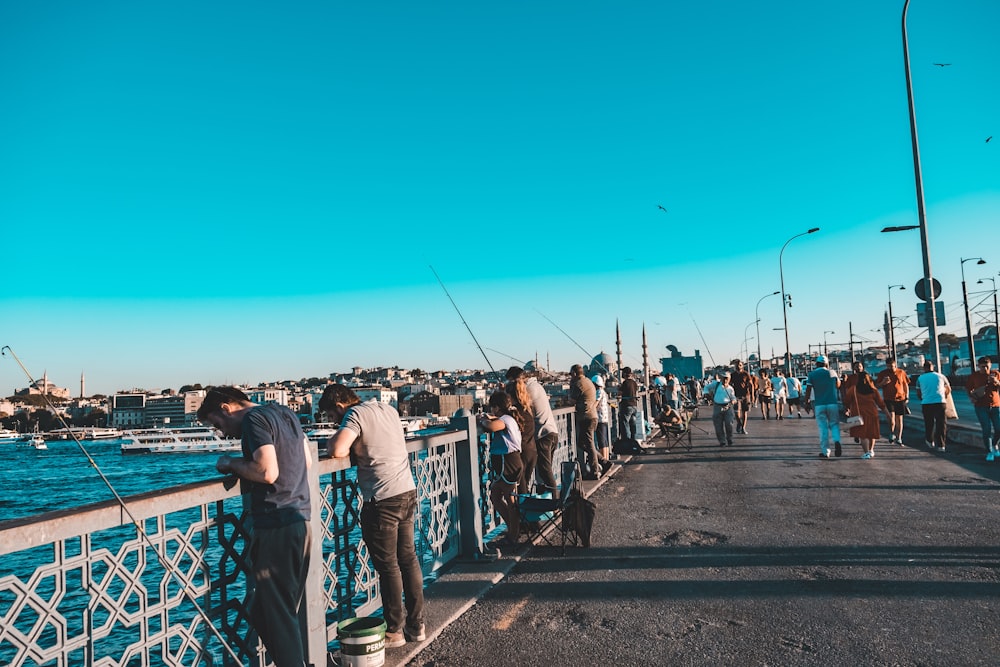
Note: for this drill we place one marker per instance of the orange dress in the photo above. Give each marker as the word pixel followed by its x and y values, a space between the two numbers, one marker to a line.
pixel 865 404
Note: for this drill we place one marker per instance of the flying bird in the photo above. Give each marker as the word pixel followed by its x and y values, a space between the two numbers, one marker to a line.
pixel 988 138
pixel 943 64
pixel 661 208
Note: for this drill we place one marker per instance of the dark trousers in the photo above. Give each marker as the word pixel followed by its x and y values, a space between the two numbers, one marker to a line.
pixel 529 458
pixel 585 428
pixel 387 528
pixel 545 446
pixel 935 425
pixel 628 422
pixel 279 560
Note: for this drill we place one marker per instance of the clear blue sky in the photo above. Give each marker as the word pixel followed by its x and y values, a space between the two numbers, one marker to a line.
pixel 242 191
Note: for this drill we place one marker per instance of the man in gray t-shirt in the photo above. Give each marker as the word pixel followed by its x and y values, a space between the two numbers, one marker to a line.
pixel 372 434
pixel 824 383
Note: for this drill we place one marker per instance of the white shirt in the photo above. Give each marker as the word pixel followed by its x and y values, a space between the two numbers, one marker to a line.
pixel 720 393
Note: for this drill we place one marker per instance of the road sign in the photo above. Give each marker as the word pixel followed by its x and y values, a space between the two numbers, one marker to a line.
pixel 921 292
pixel 922 313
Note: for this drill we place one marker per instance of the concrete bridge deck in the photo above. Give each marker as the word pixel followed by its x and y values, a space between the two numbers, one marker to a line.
pixel 759 554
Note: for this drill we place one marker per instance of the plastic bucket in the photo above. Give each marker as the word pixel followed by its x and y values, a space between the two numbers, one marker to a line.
pixel 362 642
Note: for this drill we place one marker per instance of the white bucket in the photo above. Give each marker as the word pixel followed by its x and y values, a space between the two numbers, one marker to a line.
pixel 362 642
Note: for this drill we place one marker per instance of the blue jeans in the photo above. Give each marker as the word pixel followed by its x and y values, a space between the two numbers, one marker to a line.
pixel 828 422
pixel 628 422
pixel 387 528
pixel 989 421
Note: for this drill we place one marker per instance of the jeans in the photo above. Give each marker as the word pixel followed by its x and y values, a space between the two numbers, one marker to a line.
pixel 989 421
pixel 723 418
pixel 387 528
pixel 545 446
pixel 629 422
pixel 935 425
pixel 279 560
pixel 828 422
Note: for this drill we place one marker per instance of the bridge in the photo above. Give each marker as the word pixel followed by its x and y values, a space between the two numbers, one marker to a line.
pixel 759 554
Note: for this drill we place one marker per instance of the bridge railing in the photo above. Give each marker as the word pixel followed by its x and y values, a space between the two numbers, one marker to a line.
pixel 87 586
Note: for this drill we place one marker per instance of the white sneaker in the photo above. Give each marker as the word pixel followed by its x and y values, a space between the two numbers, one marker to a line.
pixel 866 455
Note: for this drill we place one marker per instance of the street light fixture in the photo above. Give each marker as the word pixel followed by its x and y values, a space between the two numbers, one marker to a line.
pixel 785 299
pixel 892 326
pixel 921 216
pixel 996 314
pixel 746 340
pixel 824 341
pixel 968 320
pixel 756 312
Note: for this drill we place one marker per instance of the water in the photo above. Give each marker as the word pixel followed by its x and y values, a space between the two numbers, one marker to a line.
pixel 61 477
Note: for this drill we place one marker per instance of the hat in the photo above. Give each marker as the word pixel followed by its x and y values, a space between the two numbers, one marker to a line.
pixel 659 381
pixel 821 359
pixel 725 374
pixel 598 380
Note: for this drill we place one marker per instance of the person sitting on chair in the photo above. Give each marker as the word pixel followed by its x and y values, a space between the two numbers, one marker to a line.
pixel 669 418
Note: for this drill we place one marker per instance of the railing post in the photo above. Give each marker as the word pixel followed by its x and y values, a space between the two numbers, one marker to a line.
pixel 312 615
pixel 470 528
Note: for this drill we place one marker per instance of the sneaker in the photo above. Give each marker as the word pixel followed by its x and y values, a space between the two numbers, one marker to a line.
pixel 745 432
pixel 415 636
pixel 824 455
pixel 606 466
pixel 991 455
pixel 941 448
pixel 837 450
pixel 930 445
pixel 892 437
pixel 394 640
pixel 900 442
pixel 866 455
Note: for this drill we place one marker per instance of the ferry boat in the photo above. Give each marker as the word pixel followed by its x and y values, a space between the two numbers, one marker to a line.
pixel 84 433
pixel 186 439
pixel 320 432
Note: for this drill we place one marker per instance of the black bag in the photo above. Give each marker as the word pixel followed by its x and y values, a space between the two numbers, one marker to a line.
pixel 578 517
pixel 626 446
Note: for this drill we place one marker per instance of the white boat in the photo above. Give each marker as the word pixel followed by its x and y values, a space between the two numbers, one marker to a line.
pixel 84 433
pixel 320 431
pixel 176 440
pixel 30 440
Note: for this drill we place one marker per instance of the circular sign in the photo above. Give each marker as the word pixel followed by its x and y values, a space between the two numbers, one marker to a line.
pixel 921 292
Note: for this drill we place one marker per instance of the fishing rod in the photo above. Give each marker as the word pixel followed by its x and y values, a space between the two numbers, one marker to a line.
pixel 166 564
pixel 589 355
pixel 455 305
pixel 507 355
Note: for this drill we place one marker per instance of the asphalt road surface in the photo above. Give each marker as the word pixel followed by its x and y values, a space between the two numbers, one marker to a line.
pixel 759 554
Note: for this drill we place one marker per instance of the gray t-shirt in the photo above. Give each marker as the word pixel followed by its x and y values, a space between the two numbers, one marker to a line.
pixel 545 421
pixel 823 381
pixel 287 500
pixel 379 450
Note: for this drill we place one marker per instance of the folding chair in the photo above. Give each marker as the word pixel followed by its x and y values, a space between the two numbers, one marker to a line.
pixel 541 515
pixel 678 433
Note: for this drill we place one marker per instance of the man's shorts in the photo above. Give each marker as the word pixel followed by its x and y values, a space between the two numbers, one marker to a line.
pixel 794 401
pixel 896 407
pixel 508 470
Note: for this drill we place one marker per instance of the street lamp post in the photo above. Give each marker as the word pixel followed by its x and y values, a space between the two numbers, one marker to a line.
pixel 785 299
pixel 756 312
pixel 824 341
pixel 746 341
pixel 996 313
pixel 892 326
pixel 935 349
pixel 968 320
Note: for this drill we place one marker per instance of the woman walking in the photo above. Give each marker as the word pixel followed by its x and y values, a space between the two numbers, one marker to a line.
pixel 861 398
pixel 765 394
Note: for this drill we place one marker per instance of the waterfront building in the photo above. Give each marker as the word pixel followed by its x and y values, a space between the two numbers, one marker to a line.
pixel 681 366
pixel 128 410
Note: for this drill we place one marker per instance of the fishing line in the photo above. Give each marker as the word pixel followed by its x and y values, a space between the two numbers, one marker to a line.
pixel 698 329
pixel 589 355
pixel 167 566
pixel 440 282
pixel 507 355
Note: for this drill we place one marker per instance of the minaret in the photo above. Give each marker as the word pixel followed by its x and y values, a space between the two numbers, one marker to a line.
pixel 618 345
pixel 645 369
pixel 83 385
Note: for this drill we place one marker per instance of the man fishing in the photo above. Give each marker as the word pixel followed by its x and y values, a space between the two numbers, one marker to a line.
pixel 276 458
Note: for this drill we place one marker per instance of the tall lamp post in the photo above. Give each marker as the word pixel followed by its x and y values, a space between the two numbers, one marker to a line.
pixel 785 299
pixel 746 340
pixel 824 341
pixel 921 216
pixel 756 312
pixel 996 313
pixel 968 320
pixel 892 326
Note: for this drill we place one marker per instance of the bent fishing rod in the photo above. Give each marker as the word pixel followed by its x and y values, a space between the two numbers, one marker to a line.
pixel 166 564
pixel 589 355
pixel 455 305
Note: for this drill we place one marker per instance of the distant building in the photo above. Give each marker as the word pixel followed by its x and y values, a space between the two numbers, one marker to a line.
pixel 380 394
pixel 426 403
pixel 681 366
pixel 44 388
pixel 127 410
pixel 278 395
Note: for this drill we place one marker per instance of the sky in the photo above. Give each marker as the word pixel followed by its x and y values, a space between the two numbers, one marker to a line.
pixel 236 192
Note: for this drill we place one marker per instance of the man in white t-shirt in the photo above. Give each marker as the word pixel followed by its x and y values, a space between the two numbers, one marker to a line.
pixel 723 399
pixel 933 390
pixel 780 387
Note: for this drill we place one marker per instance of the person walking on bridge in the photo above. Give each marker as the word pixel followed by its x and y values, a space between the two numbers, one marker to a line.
pixel 984 390
pixel 743 386
pixel 895 385
pixel 824 383
pixel 861 398
pixel 723 399
pixel 933 390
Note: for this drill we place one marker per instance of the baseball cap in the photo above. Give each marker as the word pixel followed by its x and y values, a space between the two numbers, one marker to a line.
pixel 821 359
pixel 598 380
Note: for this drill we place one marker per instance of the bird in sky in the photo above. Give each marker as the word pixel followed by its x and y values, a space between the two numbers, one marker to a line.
pixel 661 208
pixel 943 64
pixel 988 138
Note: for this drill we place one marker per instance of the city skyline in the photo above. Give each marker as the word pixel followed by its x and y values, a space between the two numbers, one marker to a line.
pixel 222 193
